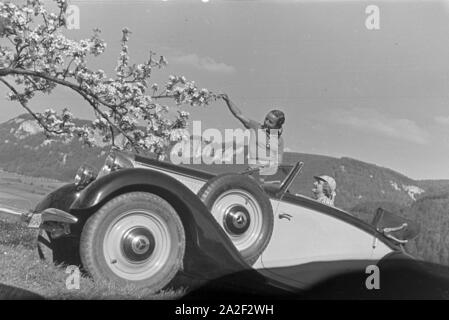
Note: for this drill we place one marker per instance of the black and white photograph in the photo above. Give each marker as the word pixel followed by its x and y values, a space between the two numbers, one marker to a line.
pixel 208 151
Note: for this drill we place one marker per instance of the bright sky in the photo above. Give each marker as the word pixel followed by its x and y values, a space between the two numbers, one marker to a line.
pixel 380 96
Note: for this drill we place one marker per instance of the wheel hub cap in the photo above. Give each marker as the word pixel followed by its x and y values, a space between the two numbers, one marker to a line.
pixel 138 244
pixel 236 220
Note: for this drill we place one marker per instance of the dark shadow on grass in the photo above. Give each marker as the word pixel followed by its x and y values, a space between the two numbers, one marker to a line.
pixel 13 293
pixel 399 279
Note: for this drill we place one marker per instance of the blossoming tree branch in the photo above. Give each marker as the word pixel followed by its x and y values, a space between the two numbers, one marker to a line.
pixel 36 57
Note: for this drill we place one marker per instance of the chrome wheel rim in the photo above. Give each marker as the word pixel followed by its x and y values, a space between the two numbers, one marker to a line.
pixel 240 215
pixel 236 220
pixel 138 244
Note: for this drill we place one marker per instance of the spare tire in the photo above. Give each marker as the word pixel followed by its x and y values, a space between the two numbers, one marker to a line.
pixel 241 207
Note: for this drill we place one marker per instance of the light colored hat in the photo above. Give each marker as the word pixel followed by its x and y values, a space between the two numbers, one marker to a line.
pixel 329 180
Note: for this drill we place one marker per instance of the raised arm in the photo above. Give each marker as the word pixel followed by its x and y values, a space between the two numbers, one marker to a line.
pixel 248 123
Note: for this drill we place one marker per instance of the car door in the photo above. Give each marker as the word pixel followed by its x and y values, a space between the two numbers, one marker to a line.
pixel 312 241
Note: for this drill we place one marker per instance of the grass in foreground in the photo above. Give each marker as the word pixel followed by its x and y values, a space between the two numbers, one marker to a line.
pixel 21 267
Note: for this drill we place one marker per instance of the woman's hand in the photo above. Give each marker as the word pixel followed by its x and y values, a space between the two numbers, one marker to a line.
pixel 223 96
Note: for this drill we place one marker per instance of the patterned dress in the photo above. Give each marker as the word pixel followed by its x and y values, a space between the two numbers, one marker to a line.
pixel 326 200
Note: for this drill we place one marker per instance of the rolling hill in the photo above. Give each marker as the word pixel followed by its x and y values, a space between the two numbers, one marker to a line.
pixel 25 150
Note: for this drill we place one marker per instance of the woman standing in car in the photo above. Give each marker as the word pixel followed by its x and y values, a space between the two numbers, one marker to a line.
pixel 262 152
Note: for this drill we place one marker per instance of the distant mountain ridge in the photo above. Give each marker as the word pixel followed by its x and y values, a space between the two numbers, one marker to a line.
pixel 25 150
pixel 357 181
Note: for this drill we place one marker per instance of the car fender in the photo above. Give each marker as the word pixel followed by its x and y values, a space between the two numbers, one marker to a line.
pixel 122 181
pixel 206 241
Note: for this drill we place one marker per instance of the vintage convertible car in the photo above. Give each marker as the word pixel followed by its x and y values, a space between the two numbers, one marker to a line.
pixel 156 224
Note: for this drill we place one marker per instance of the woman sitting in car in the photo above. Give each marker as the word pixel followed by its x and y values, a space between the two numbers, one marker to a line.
pixel 324 189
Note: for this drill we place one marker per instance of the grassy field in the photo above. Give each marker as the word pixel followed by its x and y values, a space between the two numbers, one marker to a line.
pixel 19 261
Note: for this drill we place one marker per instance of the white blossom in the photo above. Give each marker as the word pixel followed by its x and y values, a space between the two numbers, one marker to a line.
pixel 121 100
